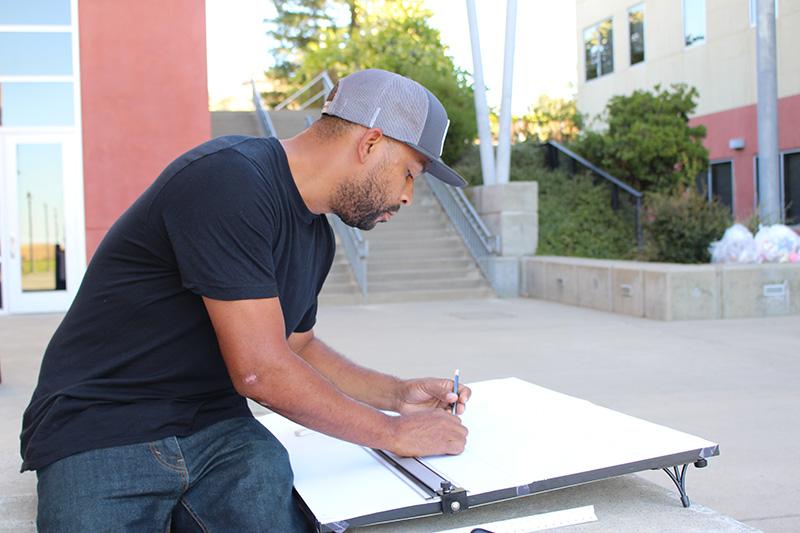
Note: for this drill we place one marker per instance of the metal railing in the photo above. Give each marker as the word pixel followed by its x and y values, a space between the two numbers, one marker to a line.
pixel 554 153
pixel 263 117
pixel 476 236
pixel 327 85
pixel 356 249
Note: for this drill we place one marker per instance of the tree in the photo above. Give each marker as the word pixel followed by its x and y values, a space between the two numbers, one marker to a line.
pixel 550 119
pixel 394 35
pixel 649 142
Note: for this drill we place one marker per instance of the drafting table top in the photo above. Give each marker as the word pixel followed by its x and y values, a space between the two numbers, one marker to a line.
pixel 523 439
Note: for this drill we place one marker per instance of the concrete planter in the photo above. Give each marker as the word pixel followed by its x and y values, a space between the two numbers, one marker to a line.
pixel 663 291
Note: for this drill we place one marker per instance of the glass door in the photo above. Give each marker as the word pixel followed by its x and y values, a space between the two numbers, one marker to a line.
pixel 42 219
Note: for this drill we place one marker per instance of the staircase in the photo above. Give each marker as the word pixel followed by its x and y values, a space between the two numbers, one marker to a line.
pixel 234 123
pixel 289 123
pixel 419 256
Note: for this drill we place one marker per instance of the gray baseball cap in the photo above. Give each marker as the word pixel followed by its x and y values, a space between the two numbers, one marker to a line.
pixel 403 110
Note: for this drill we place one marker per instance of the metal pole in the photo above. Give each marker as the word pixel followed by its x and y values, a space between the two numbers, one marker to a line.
pixel 30 230
pixel 504 138
pixel 769 205
pixel 47 236
pixel 479 89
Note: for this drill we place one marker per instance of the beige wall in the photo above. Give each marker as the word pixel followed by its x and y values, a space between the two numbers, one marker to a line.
pixel 723 68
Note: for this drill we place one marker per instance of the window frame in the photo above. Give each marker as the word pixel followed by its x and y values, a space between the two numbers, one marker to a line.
pixel 583 40
pixel 642 6
pixel 781 185
pixel 710 193
pixel 705 26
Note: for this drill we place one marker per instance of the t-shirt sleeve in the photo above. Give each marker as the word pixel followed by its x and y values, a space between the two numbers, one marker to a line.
pixel 221 224
pixel 308 320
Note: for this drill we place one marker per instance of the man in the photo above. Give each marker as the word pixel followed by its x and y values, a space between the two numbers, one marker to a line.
pixel 204 293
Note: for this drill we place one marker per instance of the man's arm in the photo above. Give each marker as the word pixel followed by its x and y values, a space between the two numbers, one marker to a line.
pixel 379 390
pixel 263 367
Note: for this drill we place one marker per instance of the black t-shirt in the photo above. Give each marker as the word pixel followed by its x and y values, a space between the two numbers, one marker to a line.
pixel 136 358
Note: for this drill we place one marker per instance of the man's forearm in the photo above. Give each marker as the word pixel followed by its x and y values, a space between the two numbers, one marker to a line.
pixel 369 386
pixel 292 387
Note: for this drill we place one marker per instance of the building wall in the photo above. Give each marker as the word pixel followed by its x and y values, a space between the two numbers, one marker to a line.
pixel 741 123
pixel 144 98
pixel 723 69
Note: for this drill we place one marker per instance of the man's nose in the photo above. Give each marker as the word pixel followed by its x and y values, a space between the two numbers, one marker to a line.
pixel 408 193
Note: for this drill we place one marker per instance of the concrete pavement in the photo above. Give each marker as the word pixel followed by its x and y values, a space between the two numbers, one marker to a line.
pixel 731 381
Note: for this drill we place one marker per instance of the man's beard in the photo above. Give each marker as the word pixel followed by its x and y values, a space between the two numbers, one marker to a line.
pixel 360 203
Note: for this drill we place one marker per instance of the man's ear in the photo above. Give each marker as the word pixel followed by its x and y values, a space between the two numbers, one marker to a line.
pixel 369 139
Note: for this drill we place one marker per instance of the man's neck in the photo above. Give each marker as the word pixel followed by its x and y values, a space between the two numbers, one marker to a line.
pixel 313 166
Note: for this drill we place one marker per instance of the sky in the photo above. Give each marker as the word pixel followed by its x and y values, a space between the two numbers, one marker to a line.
pixel 545 59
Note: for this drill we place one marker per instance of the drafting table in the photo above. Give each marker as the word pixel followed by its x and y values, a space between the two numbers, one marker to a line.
pixel 523 439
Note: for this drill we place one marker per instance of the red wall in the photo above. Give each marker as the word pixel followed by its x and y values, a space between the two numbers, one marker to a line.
pixel 144 98
pixel 742 122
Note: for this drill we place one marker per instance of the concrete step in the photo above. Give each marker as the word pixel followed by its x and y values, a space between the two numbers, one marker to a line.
pixel 234 123
pixel 417 263
pixel 289 123
pixel 340 299
pixel 414 274
pixel 417 246
pixel 430 295
pixel 339 275
pixel 425 284
pixel 434 232
pixel 416 254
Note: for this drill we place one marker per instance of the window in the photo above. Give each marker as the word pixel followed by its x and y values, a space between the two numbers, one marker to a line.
pixel 720 183
pixel 791 187
pixel 598 43
pixel 694 22
pixel 36 54
pixel 36 104
pixel 636 33
pixel 44 12
pixel 753 10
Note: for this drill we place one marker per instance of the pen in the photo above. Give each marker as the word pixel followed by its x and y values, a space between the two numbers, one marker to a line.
pixel 455 390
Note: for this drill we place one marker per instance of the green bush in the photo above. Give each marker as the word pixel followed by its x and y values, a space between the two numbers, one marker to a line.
pixel 575 214
pixel 648 141
pixel 680 227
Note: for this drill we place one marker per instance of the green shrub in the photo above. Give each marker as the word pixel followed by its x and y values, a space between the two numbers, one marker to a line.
pixel 679 227
pixel 648 141
pixel 575 214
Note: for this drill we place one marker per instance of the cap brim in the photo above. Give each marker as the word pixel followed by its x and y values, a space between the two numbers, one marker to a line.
pixel 438 169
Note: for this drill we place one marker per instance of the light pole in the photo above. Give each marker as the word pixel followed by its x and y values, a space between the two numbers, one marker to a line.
pixel 770 210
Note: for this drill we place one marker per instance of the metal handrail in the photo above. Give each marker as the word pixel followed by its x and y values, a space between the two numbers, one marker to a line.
pixel 615 182
pixel 476 236
pixel 263 117
pixel 356 249
pixel 326 82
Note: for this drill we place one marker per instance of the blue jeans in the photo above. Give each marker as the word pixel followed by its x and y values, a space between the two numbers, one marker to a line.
pixel 231 476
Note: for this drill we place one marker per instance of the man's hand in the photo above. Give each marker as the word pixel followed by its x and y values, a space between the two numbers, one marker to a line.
pixel 426 394
pixel 433 432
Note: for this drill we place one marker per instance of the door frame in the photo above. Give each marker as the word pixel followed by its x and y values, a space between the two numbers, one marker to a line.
pixel 15 300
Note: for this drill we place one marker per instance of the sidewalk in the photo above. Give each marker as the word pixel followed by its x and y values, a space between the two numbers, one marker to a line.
pixel 731 381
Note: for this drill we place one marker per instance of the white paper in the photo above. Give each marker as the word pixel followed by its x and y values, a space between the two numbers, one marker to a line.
pixel 336 479
pixel 520 433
